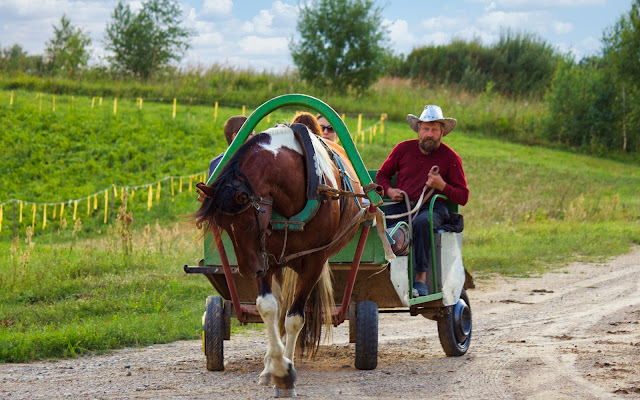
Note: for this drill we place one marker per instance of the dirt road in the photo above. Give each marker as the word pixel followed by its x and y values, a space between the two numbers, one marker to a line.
pixel 571 334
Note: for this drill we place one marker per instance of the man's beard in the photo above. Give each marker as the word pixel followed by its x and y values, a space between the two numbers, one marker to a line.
pixel 428 145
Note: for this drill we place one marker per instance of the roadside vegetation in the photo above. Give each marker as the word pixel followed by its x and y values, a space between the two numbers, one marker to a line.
pixel 85 286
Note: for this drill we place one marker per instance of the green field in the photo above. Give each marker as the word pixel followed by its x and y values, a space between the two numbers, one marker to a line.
pixel 83 286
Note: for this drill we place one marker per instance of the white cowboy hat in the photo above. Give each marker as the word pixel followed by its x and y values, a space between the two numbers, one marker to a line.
pixel 432 113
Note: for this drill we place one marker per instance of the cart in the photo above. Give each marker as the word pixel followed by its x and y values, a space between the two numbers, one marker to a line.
pixel 364 282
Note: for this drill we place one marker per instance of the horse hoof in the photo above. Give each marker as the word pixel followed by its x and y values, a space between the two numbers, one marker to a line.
pixel 265 380
pixel 285 392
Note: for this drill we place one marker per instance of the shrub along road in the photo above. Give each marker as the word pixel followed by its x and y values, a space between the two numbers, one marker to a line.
pixel 572 333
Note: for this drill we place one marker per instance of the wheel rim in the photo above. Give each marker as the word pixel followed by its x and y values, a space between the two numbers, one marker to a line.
pixel 461 321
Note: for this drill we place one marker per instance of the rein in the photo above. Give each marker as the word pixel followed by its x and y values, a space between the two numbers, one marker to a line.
pixel 435 170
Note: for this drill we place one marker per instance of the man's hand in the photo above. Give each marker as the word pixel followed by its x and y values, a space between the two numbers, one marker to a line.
pixel 395 194
pixel 436 181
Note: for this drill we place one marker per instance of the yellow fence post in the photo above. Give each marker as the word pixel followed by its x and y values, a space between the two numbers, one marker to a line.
pixel 215 112
pixel 95 202
pixel 20 220
pixel 11 99
pixel 33 218
pixel 1 211
pixel 93 101
pixel 150 199
pixel 175 104
pixel 158 193
pixel 44 217
pixel 54 103
pixel 61 210
pixel 172 192
pixel 75 209
pixel 106 204
pixel 244 109
pixel 55 206
pixel 180 187
pixel 115 105
pixel 88 206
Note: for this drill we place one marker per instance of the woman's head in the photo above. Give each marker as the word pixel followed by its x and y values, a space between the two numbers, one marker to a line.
pixel 327 130
pixel 309 120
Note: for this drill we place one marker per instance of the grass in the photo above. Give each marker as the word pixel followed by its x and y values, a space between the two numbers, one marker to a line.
pixel 90 287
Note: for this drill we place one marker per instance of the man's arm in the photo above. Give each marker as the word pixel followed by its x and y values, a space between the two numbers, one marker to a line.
pixel 385 173
pixel 456 186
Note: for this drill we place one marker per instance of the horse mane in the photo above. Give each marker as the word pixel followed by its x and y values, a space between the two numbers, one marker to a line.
pixel 224 199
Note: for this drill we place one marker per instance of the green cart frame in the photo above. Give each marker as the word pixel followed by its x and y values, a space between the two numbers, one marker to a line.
pixel 365 283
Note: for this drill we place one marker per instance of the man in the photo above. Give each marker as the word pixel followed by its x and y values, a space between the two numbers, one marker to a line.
pixel 231 129
pixel 412 161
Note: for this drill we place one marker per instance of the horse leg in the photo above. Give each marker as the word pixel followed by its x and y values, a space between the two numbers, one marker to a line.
pixel 295 319
pixel 276 286
pixel 279 368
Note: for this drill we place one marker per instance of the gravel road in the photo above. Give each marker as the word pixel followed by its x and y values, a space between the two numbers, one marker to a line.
pixel 569 334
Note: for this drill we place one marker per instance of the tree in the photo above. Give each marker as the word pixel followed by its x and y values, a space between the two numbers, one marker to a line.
pixel 622 55
pixel 14 59
pixel 68 49
pixel 144 42
pixel 622 46
pixel 343 44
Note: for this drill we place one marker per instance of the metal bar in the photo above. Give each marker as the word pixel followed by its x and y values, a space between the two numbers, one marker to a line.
pixel 231 283
pixel 348 290
pixel 201 270
pixel 433 247
pixel 317 105
pixel 425 299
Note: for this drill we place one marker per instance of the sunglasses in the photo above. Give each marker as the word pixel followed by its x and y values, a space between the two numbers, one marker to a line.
pixel 328 128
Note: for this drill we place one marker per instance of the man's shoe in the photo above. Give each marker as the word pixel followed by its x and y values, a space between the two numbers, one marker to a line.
pixel 421 288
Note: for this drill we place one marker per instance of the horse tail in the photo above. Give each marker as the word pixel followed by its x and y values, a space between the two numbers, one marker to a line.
pixel 320 304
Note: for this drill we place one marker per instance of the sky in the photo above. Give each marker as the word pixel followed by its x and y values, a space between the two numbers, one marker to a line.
pixel 252 34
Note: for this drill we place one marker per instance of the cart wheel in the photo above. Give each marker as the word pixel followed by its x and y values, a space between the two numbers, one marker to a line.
pixel 214 334
pixel 454 329
pixel 366 335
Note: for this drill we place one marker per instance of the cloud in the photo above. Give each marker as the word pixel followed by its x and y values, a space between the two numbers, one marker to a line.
pixel 528 5
pixel 402 40
pixel 442 23
pixel 263 46
pixel 535 21
pixel 279 19
pixel 217 8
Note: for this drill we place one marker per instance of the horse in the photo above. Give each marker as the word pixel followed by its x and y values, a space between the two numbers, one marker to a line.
pixel 267 174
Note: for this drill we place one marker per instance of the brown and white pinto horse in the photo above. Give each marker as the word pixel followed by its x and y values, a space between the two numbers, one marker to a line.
pixel 266 174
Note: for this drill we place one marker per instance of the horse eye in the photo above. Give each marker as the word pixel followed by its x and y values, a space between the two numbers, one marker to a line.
pixel 242 198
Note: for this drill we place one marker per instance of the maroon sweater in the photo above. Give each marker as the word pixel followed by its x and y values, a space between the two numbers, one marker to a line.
pixel 412 168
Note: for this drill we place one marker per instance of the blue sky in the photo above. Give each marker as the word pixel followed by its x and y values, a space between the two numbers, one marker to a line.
pixel 251 34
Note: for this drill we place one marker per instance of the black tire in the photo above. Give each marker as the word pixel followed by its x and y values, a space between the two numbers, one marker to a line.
pixel 366 335
pixel 454 329
pixel 214 334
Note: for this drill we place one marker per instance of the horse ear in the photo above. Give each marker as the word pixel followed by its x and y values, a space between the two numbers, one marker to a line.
pixel 207 190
